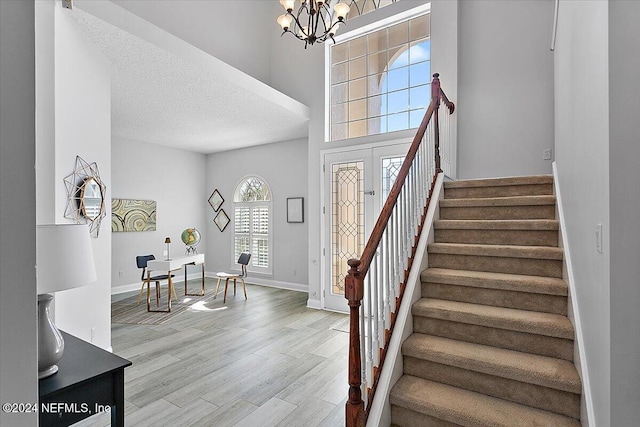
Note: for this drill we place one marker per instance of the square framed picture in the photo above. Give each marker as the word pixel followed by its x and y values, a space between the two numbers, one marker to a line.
pixel 216 200
pixel 295 209
pixel 221 220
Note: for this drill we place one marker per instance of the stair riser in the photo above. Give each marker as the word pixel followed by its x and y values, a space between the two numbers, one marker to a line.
pixel 548 399
pixel 498 212
pixel 497 297
pixel 499 191
pixel 498 237
pixel 528 266
pixel 512 340
pixel 403 417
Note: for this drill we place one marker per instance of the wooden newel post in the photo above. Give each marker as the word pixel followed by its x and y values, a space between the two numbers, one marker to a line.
pixel 354 292
pixel 435 98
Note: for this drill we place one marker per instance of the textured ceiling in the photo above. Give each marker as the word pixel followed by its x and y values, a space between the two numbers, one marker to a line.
pixel 160 97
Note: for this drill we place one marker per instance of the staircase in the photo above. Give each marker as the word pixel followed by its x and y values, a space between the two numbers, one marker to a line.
pixel 492 344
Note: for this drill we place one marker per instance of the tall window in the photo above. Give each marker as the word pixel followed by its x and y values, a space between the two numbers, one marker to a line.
pixel 252 223
pixel 380 80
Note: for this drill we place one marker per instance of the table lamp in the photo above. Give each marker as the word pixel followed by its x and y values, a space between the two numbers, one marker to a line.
pixel 168 242
pixel 64 260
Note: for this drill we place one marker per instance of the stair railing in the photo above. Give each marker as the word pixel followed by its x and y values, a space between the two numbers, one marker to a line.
pixel 375 283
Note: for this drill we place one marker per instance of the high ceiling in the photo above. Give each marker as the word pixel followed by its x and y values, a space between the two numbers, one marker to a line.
pixel 168 92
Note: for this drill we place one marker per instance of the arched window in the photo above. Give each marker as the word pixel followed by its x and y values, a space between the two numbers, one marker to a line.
pixel 252 223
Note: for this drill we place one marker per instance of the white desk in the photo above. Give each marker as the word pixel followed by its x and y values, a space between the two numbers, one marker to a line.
pixel 169 266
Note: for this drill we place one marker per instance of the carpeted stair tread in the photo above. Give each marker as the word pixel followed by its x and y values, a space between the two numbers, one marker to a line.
pixel 499 201
pixel 500 182
pixel 524 367
pixel 468 408
pixel 501 281
pixel 479 224
pixel 508 251
pixel 532 322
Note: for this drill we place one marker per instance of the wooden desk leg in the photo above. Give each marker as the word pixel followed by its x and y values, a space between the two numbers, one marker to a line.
pixel 117 412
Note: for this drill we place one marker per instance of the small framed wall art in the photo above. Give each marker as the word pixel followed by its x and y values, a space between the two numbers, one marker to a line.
pixel 221 220
pixel 216 200
pixel 295 209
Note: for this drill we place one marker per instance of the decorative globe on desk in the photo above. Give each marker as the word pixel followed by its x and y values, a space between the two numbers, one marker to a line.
pixel 191 238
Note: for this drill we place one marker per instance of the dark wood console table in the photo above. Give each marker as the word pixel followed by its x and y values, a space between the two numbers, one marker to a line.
pixel 89 380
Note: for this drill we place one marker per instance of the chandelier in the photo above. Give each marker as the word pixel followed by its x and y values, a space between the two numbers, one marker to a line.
pixel 314 22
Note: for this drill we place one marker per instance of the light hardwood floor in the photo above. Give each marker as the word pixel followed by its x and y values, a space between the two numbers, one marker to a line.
pixel 266 361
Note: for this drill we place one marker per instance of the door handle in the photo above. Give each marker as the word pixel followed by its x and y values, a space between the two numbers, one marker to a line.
pixel 370 193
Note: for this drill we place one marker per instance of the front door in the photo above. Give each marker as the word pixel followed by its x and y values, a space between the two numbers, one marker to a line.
pixel 356 184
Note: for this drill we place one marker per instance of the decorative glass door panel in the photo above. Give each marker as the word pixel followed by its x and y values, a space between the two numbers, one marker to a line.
pixel 390 168
pixel 356 184
pixel 347 225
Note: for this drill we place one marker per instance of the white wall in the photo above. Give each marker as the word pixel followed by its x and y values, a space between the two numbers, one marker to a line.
pixel 18 331
pixel 582 157
pixel 175 179
pixel 231 30
pixel 75 85
pixel 444 60
pixel 505 86
pixel 624 202
pixel 283 167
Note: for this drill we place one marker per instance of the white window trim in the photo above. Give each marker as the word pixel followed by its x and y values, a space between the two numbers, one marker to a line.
pixel 346 36
pixel 250 268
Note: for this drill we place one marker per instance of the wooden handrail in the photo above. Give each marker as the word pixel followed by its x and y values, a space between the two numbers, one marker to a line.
pixel 355 411
pixel 392 198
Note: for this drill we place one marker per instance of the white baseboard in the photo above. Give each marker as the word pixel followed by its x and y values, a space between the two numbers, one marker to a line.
pixel 314 303
pixel 574 314
pixel 126 288
pixel 136 286
pixel 299 287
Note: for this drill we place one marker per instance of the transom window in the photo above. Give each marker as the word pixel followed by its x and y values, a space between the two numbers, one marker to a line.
pixel 252 223
pixel 379 81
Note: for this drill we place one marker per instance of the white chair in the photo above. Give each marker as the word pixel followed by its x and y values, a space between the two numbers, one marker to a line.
pixel 243 260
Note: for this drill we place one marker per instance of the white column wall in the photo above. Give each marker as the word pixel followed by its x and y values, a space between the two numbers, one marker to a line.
pixel 74 84
pixel 624 202
pixel 582 156
pixel 18 330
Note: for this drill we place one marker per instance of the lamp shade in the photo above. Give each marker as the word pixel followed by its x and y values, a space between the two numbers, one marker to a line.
pixel 64 257
pixel 342 9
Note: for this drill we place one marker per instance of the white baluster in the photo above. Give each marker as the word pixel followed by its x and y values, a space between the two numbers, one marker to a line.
pixel 373 281
pixel 369 323
pixel 388 277
pixel 363 352
pixel 380 289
